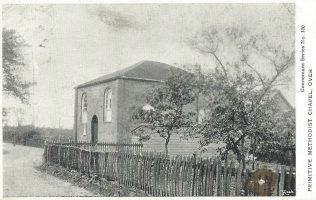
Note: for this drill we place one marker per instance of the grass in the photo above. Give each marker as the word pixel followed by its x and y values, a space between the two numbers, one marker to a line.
pixel 98 186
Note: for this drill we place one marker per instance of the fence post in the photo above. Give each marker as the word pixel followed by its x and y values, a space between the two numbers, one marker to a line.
pixel 238 179
pixel 213 174
pixel 219 178
pixel 225 175
pixel 45 154
pixel 275 192
pixel 282 178
pixel 228 178
pixel 194 172
pixel 290 180
pixel 58 154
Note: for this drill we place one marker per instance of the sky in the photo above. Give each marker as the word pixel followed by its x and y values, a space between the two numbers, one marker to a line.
pixel 72 44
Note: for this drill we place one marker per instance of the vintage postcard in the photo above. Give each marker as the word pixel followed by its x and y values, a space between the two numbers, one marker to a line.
pixel 158 99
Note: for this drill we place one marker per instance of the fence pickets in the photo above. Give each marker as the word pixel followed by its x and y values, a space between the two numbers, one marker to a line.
pixel 159 175
pixel 101 146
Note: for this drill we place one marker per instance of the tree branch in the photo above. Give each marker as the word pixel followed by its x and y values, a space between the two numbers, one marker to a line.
pixel 220 63
pixel 251 67
pixel 279 72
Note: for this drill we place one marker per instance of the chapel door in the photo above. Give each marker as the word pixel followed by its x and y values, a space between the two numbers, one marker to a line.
pixel 94 130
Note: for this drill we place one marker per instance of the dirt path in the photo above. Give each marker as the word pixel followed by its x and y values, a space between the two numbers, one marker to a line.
pixel 20 178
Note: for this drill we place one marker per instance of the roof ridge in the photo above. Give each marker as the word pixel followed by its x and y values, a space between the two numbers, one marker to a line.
pixel 124 72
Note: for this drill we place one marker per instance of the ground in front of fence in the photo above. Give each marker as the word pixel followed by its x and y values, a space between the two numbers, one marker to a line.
pixel 100 187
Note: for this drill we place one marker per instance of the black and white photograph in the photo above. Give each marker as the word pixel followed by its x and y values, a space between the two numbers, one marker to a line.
pixel 150 100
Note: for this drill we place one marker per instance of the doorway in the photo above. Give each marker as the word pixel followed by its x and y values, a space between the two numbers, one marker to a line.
pixel 94 130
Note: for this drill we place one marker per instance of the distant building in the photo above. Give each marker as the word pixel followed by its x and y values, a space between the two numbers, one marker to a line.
pixel 282 102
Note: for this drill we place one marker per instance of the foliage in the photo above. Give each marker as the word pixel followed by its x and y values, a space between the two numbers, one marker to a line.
pixel 279 146
pixel 34 136
pixel 13 65
pixel 233 118
pixel 168 112
pixel 28 136
pixel 240 104
pixel 20 135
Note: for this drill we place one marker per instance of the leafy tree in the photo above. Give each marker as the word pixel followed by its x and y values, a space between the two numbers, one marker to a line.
pixel 238 95
pixel 13 65
pixel 233 120
pixel 168 111
pixel 278 146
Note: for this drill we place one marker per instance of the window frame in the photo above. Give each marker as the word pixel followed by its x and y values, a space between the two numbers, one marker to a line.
pixel 107 105
pixel 84 107
pixel 84 111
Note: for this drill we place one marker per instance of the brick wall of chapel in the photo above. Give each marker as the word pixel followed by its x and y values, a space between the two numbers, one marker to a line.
pixel 132 94
pixel 125 94
pixel 95 99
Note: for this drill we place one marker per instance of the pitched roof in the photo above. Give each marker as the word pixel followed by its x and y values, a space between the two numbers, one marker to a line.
pixel 282 100
pixel 144 70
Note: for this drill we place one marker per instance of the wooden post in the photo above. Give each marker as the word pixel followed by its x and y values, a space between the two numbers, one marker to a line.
pixel 219 177
pixel 228 178
pixel 213 171
pixel 282 179
pixel 194 172
pixel 290 180
pixel 200 176
pixel 225 176
pixel 238 179
pixel 276 174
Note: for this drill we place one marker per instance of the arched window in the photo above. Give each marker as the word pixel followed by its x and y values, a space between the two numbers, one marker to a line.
pixel 84 112
pixel 107 107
